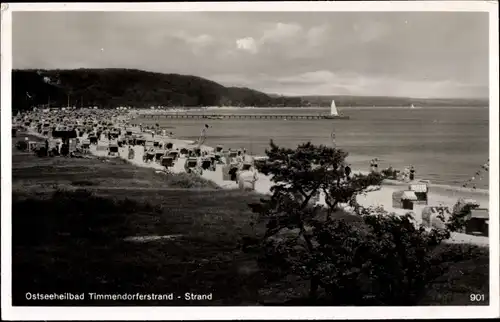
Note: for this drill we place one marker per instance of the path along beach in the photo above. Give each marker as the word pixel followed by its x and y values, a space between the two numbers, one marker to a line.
pixel 382 196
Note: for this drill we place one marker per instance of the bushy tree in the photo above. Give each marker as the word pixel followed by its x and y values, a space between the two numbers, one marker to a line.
pixel 376 258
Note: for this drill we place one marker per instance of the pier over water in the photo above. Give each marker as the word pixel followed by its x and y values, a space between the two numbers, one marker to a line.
pixel 242 116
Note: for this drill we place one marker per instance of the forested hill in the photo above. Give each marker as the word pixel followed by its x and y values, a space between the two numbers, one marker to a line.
pixel 109 88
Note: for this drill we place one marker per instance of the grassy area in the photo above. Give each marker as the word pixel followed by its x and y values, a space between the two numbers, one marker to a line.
pixel 70 218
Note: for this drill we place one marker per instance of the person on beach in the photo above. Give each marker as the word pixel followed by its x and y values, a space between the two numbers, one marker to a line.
pixel 347 170
pixel 390 170
pixel 412 173
pixel 375 164
pixel 131 153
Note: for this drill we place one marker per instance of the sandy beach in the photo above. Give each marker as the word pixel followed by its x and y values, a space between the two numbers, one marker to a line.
pixel 382 196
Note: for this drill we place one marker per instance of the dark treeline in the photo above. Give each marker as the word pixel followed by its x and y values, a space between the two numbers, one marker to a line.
pixel 109 88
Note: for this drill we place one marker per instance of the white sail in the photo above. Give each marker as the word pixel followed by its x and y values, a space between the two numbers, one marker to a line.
pixel 333 109
pixel 412 106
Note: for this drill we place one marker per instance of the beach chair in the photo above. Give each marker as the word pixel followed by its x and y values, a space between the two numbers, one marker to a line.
pixel 174 155
pixel 32 146
pixel 159 154
pixel 113 150
pixel 86 145
pixel 149 144
pixel 167 162
pixel 218 158
pixel 421 191
pixel 259 161
pixel 478 222
pixel 149 156
pixel 408 199
pixel 191 165
pixel 206 164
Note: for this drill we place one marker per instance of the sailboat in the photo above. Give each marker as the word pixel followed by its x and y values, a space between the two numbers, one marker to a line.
pixel 412 106
pixel 334 113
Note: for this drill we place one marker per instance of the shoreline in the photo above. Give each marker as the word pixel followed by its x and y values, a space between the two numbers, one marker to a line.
pixel 378 197
pixel 184 143
pixel 264 183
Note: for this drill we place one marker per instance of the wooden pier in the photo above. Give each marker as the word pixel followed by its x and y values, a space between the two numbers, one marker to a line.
pixel 241 116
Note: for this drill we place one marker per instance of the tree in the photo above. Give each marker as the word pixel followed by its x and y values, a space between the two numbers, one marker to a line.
pixel 374 257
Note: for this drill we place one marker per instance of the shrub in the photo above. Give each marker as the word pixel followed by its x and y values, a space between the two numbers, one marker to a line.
pixel 22 145
pixel 187 181
pixel 384 259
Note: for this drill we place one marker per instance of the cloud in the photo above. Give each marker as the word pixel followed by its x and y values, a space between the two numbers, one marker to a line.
pixel 197 43
pixel 316 36
pixel 281 33
pixel 247 44
pixel 286 39
pixel 324 82
pixel 381 53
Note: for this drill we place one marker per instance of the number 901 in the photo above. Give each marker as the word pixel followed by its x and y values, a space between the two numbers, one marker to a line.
pixel 476 297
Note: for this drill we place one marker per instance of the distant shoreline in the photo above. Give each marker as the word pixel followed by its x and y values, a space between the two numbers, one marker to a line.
pixel 139 89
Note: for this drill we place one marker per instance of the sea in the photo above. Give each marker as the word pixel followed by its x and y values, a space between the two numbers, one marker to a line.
pixel 446 145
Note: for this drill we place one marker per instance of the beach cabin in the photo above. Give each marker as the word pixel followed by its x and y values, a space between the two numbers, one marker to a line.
pixel 404 199
pixel 478 222
pixel 421 191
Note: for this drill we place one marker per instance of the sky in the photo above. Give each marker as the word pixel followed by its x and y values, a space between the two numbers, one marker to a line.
pixel 411 54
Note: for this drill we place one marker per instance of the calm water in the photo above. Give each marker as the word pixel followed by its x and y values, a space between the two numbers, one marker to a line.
pixel 446 145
